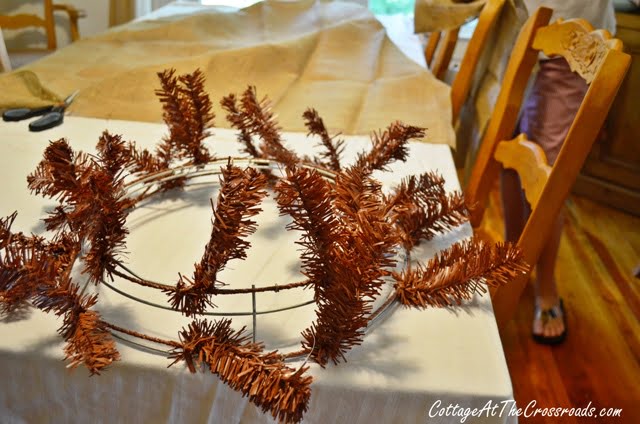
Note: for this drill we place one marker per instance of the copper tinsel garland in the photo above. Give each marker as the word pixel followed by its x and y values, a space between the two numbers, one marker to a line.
pixel 350 230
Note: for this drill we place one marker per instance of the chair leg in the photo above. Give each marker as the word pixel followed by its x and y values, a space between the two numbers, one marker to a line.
pixel 5 63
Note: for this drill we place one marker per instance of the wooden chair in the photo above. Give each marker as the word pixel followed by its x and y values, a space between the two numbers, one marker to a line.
pixel 46 22
pixel 598 59
pixel 5 63
pixel 439 51
pixel 438 54
pixel 464 78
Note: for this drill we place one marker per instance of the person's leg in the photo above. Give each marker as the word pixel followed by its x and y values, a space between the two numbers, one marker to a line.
pixel 513 205
pixel 548 114
pixel 546 293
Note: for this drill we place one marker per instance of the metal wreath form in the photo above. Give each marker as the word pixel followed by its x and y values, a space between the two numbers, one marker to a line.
pixel 350 228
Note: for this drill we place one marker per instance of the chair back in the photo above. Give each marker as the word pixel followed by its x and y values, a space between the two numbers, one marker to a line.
pixel 464 78
pixel 439 51
pixel 441 44
pixel 24 20
pixel 598 59
pixel 46 21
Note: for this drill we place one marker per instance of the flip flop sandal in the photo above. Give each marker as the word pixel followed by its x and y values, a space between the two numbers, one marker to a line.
pixel 547 314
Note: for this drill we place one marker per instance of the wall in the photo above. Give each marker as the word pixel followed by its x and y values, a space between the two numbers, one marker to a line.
pixel 96 21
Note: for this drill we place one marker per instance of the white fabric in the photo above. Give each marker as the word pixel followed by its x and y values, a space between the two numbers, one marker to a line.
pixel 598 13
pixel 409 361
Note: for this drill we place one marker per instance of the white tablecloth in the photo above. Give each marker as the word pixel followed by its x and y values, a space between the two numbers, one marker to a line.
pixel 412 360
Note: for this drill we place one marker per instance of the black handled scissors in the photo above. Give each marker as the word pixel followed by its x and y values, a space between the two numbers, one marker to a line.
pixel 52 116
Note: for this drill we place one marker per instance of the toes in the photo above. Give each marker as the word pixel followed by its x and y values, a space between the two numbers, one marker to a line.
pixel 553 328
pixel 549 323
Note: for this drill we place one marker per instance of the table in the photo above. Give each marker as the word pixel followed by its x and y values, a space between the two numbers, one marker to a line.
pixel 411 360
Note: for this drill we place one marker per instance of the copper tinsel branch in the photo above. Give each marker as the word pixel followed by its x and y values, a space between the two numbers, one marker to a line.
pixel 187 113
pixel 359 262
pixel 444 214
pixel 143 161
pixel 420 191
pixel 60 175
pixel 334 149
pixel 458 272
pixel 21 266
pixel 306 197
pixel 57 174
pixel 258 119
pixel 388 146
pixel 355 191
pixel 105 224
pixel 6 235
pixel 240 194
pixel 201 116
pixel 245 367
pixel 22 270
pixel 421 208
pixel 101 208
pixel 42 275
pixel 90 343
pixel 238 120
pixel 93 201
pixel 114 154
pixel 118 156
pixel 174 109
pixel 417 222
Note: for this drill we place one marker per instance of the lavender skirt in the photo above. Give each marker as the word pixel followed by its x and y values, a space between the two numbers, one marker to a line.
pixel 552 105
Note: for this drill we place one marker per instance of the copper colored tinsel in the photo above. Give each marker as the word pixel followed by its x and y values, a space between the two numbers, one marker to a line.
pixel 457 273
pixel 330 159
pixel 241 191
pixel 187 112
pixel 93 204
pixel 36 271
pixel 245 367
pixel 347 252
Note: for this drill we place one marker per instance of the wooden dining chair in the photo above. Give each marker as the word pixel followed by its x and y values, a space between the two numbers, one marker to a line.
pixel 598 59
pixel 439 51
pixel 441 45
pixel 463 80
pixel 46 22
pixel 5 63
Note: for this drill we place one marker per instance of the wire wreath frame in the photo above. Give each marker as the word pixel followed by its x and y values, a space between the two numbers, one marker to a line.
pixel 351 235
pixel 147 187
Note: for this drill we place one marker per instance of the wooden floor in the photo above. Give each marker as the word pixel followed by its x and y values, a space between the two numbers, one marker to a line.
pixel 599 363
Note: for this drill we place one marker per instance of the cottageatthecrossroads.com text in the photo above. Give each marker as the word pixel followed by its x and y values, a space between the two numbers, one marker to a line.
pixel 509 408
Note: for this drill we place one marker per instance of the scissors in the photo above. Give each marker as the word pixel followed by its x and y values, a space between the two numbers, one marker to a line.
pixel 51 116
